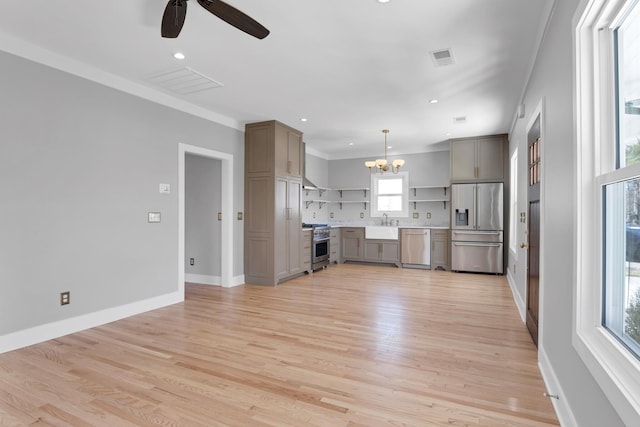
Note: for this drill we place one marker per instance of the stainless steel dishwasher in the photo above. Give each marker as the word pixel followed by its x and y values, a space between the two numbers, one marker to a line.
pixel 416 247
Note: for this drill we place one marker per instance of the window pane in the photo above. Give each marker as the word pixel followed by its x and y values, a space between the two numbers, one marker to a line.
pixel 628 43
pixel 390 203
pixel 390 186
pixel 622 261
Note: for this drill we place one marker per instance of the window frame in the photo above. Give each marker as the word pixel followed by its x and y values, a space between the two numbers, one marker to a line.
pixel 514 217
pixel 615 369
pixel 377 213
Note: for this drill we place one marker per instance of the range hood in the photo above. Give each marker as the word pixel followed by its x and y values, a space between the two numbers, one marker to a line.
pixel 306 183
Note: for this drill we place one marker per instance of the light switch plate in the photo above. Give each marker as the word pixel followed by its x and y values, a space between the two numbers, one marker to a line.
pixel 154 216
pixel 416 215
pixel 165 188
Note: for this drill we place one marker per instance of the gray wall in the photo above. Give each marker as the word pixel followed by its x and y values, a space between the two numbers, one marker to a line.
pixel 552 80
pixel 80 166
pixel 202 204
pixel 317 170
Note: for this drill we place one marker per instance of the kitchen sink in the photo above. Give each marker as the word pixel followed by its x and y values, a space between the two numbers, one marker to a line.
pixel 381 232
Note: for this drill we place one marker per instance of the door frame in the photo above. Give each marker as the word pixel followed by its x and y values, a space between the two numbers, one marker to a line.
pixel 538 112
pixel 226 207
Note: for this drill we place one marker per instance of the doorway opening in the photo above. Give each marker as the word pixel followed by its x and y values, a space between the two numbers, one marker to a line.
pixel 226 211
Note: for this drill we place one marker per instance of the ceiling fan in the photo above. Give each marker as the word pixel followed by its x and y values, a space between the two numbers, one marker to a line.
pixel 176 11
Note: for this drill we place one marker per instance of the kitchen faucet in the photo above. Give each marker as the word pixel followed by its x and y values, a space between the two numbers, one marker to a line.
pixel 386 219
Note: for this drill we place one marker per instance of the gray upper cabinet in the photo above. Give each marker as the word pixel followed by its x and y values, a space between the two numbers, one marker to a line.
pixel 273 184
pixel 289 152
pixel 480 159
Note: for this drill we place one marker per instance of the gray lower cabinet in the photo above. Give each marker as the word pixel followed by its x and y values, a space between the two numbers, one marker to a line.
pixel 335 246
pixel 440 250
pixel 387 251
pixel 352 243
pixel 307 237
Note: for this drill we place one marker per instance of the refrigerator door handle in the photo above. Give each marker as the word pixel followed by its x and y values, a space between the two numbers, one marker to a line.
pixel 493 245
pixel 475 207
pixel 487 233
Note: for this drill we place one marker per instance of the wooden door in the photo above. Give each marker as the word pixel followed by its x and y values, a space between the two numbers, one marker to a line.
pixel 533 233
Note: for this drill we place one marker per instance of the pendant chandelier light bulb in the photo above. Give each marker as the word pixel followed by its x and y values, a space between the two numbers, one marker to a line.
pixel 383 164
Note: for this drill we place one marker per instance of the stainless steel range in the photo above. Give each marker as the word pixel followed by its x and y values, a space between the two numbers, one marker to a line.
pixel 320 245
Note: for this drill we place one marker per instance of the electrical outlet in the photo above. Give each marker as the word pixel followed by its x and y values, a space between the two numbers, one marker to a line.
pixel 314 215
pixel 65 298
pixel 428 215
pixel 361 215
pixel 239 216
pixel 416 215
pixel 331 215
pixel 192 261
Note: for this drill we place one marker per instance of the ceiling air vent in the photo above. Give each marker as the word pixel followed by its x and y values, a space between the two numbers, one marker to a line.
pixel 460 120
pixel 183 81
pixel 442 57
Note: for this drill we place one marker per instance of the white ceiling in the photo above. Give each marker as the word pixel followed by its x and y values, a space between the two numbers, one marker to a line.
pixel 351 67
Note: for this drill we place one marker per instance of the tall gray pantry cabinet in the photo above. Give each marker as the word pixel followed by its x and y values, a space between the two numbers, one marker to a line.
pixel 273 184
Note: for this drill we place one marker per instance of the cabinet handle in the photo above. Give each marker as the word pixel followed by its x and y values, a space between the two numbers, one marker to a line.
pixel 433 245
pixel 289 166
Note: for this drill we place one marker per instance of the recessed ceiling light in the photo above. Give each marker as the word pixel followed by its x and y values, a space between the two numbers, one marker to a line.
pixel 448 134
pixel 304 119
pixel 352 143
pixel 383 1
pixel 433 101
pixel 179 55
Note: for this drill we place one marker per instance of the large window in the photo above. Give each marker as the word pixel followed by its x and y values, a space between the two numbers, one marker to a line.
pixel 389 195
pixel 621 219
pixel 607 298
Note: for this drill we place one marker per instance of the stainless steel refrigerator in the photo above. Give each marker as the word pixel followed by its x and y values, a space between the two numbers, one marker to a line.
pixel 477 213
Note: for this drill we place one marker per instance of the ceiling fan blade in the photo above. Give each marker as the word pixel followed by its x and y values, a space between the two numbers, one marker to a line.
pixel 173 18
pixel 233 16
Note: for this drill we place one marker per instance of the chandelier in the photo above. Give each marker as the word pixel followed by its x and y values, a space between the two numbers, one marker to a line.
pixel 382 164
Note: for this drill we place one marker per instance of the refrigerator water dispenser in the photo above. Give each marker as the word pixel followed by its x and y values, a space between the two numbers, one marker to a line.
pixel 462 217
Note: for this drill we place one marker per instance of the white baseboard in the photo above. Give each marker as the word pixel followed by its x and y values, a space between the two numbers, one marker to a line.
pixel 203 279
pixel 517 298
pixel 213 280
pixel 49 331
pixel 236 281
pixel 563 411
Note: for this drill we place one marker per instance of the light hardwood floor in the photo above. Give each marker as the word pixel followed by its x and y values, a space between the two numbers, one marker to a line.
pixel 351 345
